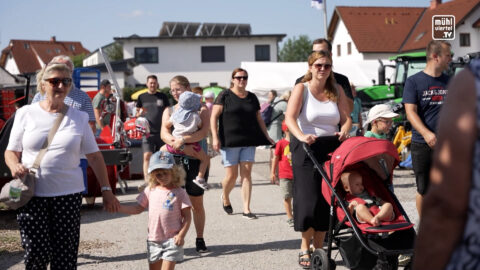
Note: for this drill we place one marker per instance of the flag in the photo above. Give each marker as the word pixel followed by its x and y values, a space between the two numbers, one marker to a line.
pixel 318 4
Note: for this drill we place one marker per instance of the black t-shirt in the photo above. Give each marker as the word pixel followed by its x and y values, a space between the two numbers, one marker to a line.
pixel 238 124
pixel 429 94
pixel 342 80
pixel 154 104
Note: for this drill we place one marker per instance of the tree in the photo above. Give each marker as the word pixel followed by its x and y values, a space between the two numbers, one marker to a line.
pixel 296 50
pixel 78 60
pixel 114 52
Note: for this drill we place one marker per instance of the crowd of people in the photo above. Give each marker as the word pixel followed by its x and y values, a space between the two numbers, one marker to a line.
pixel 322 111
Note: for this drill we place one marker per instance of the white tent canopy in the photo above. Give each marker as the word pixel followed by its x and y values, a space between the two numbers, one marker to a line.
pixel 281 76
pixel 265 76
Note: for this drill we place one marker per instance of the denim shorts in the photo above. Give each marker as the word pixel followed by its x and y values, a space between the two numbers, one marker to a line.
pixel 234 155
pixel 166 250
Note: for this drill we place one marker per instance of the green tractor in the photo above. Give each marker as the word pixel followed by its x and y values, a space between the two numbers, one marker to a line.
pixel 406 65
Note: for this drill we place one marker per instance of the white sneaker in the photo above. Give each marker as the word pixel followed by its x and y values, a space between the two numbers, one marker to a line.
pixel 201 183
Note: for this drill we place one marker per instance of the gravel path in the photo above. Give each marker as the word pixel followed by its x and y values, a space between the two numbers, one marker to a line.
pixel 117 241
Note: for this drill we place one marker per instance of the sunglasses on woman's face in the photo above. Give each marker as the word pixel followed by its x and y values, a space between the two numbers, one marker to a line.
pixel 56 81
pixel 323 66
pixel 241 78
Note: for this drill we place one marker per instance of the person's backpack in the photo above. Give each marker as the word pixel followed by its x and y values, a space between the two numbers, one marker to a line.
pixel 266 111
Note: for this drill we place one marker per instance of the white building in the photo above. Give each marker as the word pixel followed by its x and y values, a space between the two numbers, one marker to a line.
pixel 363 35
pixel 205 53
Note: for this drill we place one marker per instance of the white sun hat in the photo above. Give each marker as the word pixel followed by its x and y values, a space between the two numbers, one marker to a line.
pixel 379 111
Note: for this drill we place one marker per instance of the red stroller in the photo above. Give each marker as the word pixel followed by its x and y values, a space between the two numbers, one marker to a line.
pixel 362 246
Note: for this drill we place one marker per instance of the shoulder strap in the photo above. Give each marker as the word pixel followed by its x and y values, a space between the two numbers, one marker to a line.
pixel 275 103
pixel 305 95
pixel 50 136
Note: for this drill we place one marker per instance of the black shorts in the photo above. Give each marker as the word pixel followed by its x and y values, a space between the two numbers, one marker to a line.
pixel 421 162
pixel 152 144
pixel 191 167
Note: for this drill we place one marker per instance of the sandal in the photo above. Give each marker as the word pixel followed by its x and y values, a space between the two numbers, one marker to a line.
pixel 304 259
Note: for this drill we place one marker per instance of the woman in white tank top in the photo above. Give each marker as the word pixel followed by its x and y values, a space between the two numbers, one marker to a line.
pixel 315 110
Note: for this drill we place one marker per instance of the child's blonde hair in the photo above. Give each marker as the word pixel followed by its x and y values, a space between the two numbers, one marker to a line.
pixel 178 177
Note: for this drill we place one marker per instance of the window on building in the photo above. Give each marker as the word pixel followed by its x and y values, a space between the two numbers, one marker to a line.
pixel 72 47
pixel 349 48
pixel 339 50
pixel 57 50
pixel 147 55
pixel 213 84
pixel 464 39
pixel 26 46
pixel 262 52
pixel 213 54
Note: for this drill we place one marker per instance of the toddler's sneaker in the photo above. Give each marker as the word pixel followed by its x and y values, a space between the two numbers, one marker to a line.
pixel 201 183
pixel 200 246
pixel 249 215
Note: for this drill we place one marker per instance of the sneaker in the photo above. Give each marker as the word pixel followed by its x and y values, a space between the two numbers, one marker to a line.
pixel 249 215
pixel 200 246
pixel 403 260
pixel 290 222
pixel 201 183
pixel 142 187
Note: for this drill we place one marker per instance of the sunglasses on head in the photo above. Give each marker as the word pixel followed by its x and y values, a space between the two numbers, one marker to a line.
pixel 241 78
pixel 56 81
pixel 323 66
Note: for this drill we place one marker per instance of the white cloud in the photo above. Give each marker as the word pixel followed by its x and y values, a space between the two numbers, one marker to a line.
pixel 133 14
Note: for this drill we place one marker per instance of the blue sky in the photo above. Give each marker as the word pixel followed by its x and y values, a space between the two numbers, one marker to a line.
pixel 96 23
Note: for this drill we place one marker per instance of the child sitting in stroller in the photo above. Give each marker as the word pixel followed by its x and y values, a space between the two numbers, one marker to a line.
pixel 353 185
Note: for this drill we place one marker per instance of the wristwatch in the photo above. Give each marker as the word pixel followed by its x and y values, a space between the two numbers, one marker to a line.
pixel 105 188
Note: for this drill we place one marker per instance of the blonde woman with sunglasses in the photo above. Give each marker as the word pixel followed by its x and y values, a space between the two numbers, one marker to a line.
pixel 315 110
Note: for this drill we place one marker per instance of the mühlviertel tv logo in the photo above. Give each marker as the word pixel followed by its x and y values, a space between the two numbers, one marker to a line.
pixel 443 27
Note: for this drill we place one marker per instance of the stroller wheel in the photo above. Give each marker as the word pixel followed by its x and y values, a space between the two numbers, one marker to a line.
pixel 320 260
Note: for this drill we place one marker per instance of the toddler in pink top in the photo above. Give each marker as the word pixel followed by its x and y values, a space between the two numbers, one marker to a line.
pixel 169 215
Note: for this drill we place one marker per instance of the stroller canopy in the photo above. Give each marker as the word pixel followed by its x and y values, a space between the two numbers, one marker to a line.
pixel 373 152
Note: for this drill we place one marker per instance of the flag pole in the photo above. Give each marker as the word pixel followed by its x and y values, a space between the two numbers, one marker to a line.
pixel 325 18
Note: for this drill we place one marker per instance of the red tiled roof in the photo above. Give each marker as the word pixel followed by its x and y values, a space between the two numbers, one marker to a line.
pixel 27 53
pixel 476 24
pixel 376 29
pixel 422 34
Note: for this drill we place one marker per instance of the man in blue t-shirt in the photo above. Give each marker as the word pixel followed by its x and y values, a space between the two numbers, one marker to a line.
pixel 423 96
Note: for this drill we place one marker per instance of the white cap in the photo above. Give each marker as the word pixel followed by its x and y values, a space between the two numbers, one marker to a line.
pixel 209 94
pixel 378 111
